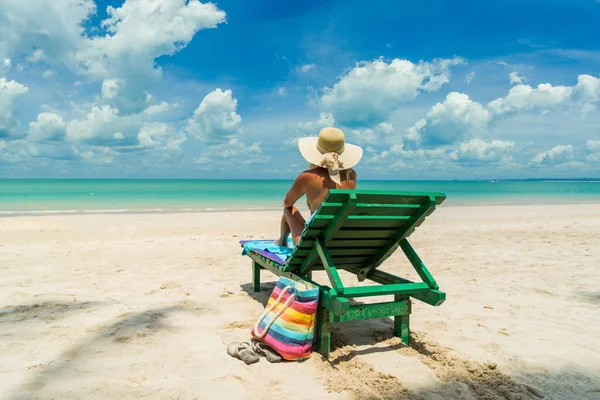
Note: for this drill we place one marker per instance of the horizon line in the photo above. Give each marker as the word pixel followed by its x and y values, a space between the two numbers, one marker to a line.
pixel 291 179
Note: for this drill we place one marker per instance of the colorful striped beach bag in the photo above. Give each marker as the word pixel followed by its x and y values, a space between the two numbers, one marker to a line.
pixel 288 323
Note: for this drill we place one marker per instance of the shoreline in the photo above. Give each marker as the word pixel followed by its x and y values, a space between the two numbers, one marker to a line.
pixel 203 210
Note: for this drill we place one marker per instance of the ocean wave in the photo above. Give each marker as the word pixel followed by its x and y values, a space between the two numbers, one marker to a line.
pixel 12 213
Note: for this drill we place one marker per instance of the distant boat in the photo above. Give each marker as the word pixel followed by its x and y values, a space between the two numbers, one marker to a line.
pixel 494 181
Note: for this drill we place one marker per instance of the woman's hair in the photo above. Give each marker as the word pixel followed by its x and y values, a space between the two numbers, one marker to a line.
pixel 344 173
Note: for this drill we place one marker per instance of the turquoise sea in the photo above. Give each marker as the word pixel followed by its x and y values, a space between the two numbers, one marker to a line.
pixel 18 196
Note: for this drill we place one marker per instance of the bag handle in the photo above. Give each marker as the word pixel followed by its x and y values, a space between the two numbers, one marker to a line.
pixel 269 309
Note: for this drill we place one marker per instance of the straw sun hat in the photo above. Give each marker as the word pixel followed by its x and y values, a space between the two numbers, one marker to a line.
pixel 330 150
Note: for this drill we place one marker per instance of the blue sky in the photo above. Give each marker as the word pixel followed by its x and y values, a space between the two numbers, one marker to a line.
pixel 184 89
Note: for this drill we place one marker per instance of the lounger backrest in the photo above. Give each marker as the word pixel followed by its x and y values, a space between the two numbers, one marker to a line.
pixel 359 226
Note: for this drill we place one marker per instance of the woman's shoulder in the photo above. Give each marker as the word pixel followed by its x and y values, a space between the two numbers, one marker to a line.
pixel 308 174
pixel 311 172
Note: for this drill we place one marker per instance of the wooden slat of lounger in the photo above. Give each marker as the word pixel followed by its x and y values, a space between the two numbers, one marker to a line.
pixel 337 260
pixel 371 209
pixel 341 252
pixel 358 229
pixel 361 261
pixel 368 233
pixel 332 226
pixel 347 244
pixel 359 221
pixel 319 266
pixel 384 197
pixel 356 243
pixel 368 219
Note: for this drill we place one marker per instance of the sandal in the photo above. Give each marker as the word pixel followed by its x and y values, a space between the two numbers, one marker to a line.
pixel 264 350
pixel 242 351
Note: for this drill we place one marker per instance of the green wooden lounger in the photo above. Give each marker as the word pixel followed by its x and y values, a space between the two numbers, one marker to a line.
pixel 357 231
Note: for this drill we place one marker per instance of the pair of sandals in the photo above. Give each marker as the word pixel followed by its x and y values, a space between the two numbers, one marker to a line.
pixel 250 352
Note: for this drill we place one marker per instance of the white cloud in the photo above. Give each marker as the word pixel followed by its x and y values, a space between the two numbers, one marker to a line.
pixel 110 89
pixel 372 91
pixel 160 135
pixel 478 151
pixel 524 97
pixel 62 152
pixel 592 147
pixel 374 136
pixel 516 79
pixel 159 108
pixel 29 154
pixel 398 151
pixel 454 120
pixel 48 127
pixel 105 126
pixel 138 32
pixel 13 152
pixel 459 119
pixel 42 29
pixel 231 155
pixel 215 121
pixel 469 77
pixel 413 134
pixel 9 90
pixel 36 56
pixel 291 143
pixel 398 158
pixel 123 58
pixel 586 93
pixel 545 97
pixel 99 155
pixel 313 128
pixel 49 74
pixel 307 67
pixel 304 129
pixel 556 155
pixel 282 91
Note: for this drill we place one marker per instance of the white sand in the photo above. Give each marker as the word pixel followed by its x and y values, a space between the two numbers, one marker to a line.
pixel 143 306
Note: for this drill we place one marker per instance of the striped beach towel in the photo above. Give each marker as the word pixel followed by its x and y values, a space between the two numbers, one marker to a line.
pixel 288 322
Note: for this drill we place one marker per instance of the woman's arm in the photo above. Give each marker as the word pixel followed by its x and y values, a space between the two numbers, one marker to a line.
pixel 296 191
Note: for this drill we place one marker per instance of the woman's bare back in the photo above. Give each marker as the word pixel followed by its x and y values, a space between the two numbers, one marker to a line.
pixel 320 183
pixel 315 184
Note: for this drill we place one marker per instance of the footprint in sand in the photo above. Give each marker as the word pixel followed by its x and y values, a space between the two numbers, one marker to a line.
pixel 484 380
pixel 170 285
pixel 240 325
pixel 474 379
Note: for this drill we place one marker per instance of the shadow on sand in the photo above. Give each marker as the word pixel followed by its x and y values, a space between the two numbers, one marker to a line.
pixel 121 330
pixel 45 311
pixel 454 377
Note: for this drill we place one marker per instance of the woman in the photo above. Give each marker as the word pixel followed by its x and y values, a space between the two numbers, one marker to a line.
pixel 331 160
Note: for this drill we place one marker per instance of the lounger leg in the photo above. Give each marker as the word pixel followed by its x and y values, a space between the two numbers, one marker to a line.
pixel 255 277
pixel 323 333
pixel 401 322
